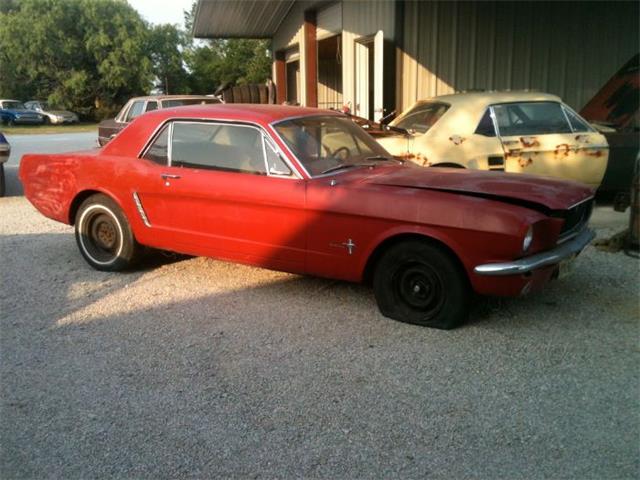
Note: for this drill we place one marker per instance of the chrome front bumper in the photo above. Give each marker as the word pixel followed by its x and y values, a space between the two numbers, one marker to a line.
pixel 539 260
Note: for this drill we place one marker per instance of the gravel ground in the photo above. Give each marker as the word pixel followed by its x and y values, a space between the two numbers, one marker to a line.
pixel 199 368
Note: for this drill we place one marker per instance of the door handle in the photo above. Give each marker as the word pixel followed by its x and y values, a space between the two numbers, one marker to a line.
pixel 168 176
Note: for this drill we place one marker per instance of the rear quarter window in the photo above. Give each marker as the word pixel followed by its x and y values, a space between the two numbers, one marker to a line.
pixel 531 118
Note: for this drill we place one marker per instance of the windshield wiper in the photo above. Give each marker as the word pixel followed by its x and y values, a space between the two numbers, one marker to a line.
pixel 335 168
pixel 380 157
pixel 392 128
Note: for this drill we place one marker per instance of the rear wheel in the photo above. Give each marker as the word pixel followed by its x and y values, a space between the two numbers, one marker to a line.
pixel 104 236
pixel 421 283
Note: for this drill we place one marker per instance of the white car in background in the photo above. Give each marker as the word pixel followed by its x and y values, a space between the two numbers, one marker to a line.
pixel 52 115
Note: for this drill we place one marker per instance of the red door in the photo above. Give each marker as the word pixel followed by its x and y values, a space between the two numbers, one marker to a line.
pixel 254 219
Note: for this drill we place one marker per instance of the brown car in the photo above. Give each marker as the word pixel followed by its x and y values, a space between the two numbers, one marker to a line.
pixel 139 105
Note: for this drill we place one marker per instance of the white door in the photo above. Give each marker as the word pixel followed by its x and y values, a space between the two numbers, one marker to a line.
pixel 369 58
pixel 362 78
pixel 378 72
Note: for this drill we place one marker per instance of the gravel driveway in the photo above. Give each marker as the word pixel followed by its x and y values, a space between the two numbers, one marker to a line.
pixel 192 367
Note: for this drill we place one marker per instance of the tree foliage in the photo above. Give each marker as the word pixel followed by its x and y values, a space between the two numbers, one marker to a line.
pixel 83 54
pixel 92 55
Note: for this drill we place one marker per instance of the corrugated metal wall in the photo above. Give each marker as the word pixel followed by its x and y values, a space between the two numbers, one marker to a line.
pixel 361 18
pixel 566 48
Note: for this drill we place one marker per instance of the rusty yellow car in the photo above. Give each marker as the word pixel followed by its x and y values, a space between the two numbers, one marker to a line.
pixel 520 132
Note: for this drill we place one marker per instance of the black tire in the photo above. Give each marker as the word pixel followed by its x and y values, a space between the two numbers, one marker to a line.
pixel 3 188
pixel 421 283
pixel 104 236
pixel 46 120
pixel 11 122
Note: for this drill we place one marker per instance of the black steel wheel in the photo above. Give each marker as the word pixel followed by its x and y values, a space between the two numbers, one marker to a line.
pixel 103 235
pixel 422 283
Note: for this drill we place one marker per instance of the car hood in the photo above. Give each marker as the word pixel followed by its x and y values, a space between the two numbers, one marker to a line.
pixel 540 193
pixel 618 101
pixel 60 112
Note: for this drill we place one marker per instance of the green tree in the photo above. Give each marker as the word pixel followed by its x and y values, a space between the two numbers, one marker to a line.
pixel 212 63
pixel 166 46
pixel 88 55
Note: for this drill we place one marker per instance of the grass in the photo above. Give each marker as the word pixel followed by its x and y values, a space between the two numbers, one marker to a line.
pixel 31 129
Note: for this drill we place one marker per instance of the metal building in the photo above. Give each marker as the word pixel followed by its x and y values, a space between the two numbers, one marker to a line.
pixel 376 56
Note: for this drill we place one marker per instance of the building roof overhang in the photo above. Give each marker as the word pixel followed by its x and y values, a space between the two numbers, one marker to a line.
pixel 239 18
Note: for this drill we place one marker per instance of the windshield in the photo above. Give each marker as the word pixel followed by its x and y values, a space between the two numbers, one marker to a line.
pixel 331 143
pixel 421 117
pixel 44 106
pixel 178 102
pixel 11 105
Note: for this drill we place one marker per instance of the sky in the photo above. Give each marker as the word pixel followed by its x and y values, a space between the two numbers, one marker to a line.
pixel 162 11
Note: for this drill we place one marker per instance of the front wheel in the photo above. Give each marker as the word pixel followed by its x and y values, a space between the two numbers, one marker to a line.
pixel 104 236
pixel 422 283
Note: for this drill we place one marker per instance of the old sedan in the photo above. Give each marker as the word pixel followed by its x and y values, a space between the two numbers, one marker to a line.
pixel 308 191
pixel 136 106
pixel 519 132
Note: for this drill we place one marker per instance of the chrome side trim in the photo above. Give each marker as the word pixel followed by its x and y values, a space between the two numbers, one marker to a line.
pixel 588 199
pixel 543 259
pixel 141 211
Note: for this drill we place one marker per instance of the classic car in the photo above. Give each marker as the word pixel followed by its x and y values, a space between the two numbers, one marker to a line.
pixel 519 132
pixel 107 129
pixel 615 112
pixel 51 115
pixel 14 112
pixel 5 151
pixel 307 191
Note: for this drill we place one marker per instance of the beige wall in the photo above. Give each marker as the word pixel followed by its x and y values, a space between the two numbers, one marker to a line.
pixel 566 48
pixel 361 18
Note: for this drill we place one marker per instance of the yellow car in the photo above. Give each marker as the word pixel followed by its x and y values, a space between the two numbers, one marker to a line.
pixel 521 132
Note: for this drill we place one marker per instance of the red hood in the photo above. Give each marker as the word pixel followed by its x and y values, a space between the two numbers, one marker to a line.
pixel 618 100
pixel 550 193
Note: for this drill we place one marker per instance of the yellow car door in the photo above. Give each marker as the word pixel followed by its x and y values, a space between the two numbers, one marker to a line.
pixel 548 138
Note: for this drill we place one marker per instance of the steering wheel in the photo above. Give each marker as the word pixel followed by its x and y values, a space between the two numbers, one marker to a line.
pixel 342 149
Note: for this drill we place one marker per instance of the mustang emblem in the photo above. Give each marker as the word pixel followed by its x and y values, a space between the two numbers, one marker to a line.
pixel 349 245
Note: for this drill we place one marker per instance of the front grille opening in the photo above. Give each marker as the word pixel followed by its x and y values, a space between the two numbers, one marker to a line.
pixel 575 219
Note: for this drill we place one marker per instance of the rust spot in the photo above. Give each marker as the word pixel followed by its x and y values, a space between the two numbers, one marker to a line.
pixel 514 153
pixel 563 148
pixel 525 162
pixel 415 158
pixel 593 153
pixel 529 142
pixel 457 139
pixel 582 138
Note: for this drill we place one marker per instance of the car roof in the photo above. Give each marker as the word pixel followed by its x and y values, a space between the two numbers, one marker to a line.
pixel 172 97
pixel 131 140
pixel 251 112
pixel 487 98
pixel 8 100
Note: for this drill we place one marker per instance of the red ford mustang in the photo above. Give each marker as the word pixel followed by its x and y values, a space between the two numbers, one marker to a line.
pixel 308 191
